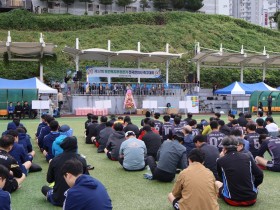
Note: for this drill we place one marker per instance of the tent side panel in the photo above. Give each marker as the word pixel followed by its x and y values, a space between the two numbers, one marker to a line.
pixel 254 99
pixel 29 95
pixel 3 98
pixel 15 95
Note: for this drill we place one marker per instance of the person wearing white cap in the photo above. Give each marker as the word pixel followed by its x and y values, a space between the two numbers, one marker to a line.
pixel 132 153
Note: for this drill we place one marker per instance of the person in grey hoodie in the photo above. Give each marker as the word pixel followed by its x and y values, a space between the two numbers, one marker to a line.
pixel 114 142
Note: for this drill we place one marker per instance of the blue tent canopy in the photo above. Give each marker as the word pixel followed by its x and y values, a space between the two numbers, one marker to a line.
pixel 238 88
pixel 31 83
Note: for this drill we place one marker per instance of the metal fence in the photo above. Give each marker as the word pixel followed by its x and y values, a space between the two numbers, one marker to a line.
pixel 136 88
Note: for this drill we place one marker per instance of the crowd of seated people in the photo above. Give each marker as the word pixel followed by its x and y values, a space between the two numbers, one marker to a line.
pixel 189 147
pixel 213 158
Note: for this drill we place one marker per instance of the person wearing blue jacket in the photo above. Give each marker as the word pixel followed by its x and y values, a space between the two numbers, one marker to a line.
pixel 44 131
pixel 86 192
pixel 11 110
pixel 49 139
pixel 25 140
pixel 65 131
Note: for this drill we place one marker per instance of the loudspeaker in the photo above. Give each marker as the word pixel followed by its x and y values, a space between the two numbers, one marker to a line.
pixel 210 98
pixel 79 75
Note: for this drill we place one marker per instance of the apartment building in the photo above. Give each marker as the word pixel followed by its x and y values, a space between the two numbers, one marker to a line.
pixel 220 7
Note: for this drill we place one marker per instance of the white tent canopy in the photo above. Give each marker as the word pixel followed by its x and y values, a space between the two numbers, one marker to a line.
pixel 123 55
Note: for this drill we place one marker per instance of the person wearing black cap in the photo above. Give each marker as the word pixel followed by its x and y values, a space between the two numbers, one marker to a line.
pixel 56 195
pixel 171 155
pixel 239 174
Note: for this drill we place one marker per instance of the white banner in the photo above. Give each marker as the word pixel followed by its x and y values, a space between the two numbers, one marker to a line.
pixel 122 72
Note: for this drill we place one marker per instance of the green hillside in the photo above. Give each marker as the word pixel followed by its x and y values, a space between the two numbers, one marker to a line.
pixel 153 30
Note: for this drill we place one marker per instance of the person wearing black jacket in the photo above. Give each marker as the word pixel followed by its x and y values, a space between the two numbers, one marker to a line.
pixel 100 127
pixel 91 131
pixel 13 182
pixel 239 173
pixel 152 141
pixel 241 120
pixel 56 195
pixel 128 126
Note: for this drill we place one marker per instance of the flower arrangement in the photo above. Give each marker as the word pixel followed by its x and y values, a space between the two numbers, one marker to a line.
pixel 129 101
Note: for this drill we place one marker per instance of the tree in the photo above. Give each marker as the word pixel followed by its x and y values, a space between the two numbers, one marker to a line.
pixel 161 4
pixel 178 4
pixel 144 4
pixel 106 3
pixel 68 2
pixel 124 3
pixel 86 1
pixel 194 5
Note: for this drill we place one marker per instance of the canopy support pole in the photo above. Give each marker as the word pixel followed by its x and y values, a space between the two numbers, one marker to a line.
pixel 77 57
pixel 139 60
pixel 41 72
pixel 264 71
pixel 241 73
pixel 198 71
pixel 167 65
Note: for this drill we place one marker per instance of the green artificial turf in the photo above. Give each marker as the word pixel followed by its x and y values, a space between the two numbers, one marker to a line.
pixel 128 190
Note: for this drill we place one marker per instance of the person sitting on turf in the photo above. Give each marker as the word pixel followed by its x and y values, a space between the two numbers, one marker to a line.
pixel 49 139
pixel 13 125
pixel 56 195
pixel 16 176
pixel 240 175
pixel 231 117
pixel 132 153
pixel 41 125
pixel 5 197
pixel 152 141
pixel 129 126
pixel 253 138
pixel 114 142
pixel 171 155
pixel 147 115
pixel 192 183
pixel 245 144
pixel 158 123
pixel 189 117
pixel 24 159
pixel 119 120
pixel 166 127
pixel 104 136
pixel 188 138
pixel 211 153
pixel 25 140
pixel 236 126
pixel 195 130
pixel 241 120
pixel 260 127
pixel 177 126
pixel 100 127
pixel 85 191
pixel 150 122
pixel 207 128
pixel 223 128
pixel 18 152
pixel 89 120
pixel 215 137
pixel 64 131
pixel 91 131
pixel 272 145
pixel 44 131
pixel 271 126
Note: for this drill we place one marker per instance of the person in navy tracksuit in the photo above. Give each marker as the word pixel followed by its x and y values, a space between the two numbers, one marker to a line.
pixel 85 192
